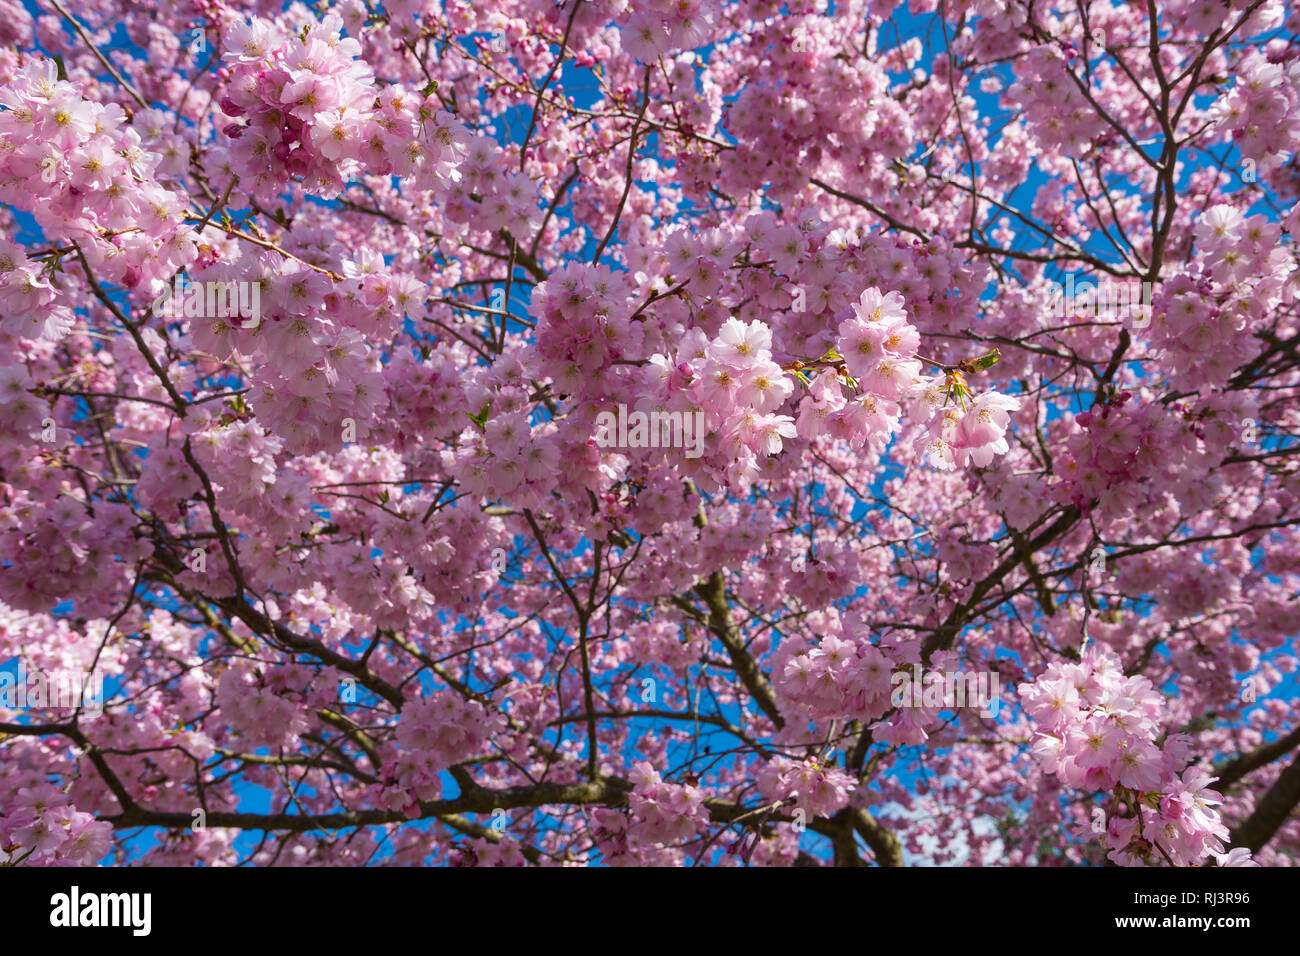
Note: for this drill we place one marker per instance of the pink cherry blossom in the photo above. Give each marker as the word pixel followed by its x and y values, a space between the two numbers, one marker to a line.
pixel 512 433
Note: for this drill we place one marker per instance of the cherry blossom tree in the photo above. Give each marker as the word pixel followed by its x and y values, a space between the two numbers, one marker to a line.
pixel 606 431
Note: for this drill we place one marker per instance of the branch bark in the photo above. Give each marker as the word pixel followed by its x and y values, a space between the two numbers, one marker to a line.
pixel 1271 811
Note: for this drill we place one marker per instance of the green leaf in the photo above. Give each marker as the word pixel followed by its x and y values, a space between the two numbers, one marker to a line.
pixel 63 70
pixel 987 360
pixel 481 418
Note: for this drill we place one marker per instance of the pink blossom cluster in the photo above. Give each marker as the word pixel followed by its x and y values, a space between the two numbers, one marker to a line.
pixel 658 27
pixel 663 812
pixel 1198 334
pixel 21 416
pixel 240 457
pixel 437 731
pixel 1115 443
pixel 488 195
pixel 813 786
pixel 509 457
pixel 609 831
pixel 1261 112
pixel 582 329
pixel 481 851
pixel 1056 109
pixel 740 376
pixel 56 547
pixel 41 828
pixel 1098 730
pixel 803 92
pixel 313 366
pixel 585 334
pixel 828 265
pixel 972 439
pixel 258 706
pixel 309 110
pixel 1200 319
pixel 27 296
pixel 15 23
pixel 878 346
pixel 832 573
pixel 836 676
pixel 81 170
pixel 734 379
pixel 845 674
pixel 1112 451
